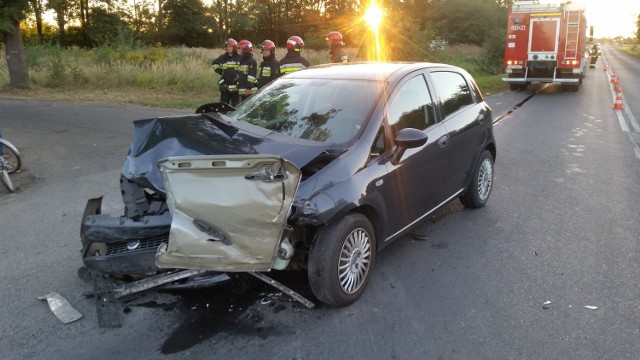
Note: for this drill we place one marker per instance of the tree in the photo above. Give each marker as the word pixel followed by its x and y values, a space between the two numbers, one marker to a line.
pixel 106 28
pixel 469 21
pixel 38 8
pixel 61 8
pixel 638 26
pixel 10 16
pixel 186 22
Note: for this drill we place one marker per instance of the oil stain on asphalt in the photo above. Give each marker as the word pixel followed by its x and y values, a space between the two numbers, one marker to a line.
pixel 240 307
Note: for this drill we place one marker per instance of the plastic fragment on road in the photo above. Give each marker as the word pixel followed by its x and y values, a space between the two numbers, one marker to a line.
pixel 61 307
pixel 545 305
pixel 591 307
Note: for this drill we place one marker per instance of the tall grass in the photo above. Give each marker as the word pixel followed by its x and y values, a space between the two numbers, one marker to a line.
pixel 181 77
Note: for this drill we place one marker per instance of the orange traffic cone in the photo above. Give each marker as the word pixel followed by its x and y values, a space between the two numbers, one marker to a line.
pixel 613 78
pixel 618 104
pixel 617 87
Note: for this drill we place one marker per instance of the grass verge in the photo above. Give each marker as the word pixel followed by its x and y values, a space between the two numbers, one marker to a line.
pixel 179 78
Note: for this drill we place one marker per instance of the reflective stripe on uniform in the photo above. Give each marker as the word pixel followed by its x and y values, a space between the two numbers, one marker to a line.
pixel 230 65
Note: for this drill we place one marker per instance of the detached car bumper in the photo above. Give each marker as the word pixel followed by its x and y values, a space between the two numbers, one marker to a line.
pixel 121 245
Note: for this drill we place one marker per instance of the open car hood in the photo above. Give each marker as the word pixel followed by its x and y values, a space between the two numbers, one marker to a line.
pixel 206 134
pixel 228 212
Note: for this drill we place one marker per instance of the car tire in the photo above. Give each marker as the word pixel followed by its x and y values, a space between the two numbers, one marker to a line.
pixel 341 260
pixel 481 183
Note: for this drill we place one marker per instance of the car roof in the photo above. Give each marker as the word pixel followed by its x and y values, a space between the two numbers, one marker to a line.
pixel 374 71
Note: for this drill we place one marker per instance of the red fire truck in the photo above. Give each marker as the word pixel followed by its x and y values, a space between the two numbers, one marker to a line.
pixel 546 44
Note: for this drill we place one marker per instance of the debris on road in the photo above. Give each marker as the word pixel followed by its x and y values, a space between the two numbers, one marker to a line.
pixel 61 307
pixel 591 307
pixel 545 305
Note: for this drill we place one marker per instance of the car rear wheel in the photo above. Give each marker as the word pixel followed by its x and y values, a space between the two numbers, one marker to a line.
pixel 481 182
pixel 341 260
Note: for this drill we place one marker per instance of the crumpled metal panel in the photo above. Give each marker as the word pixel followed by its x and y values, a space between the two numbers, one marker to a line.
pixel 228 212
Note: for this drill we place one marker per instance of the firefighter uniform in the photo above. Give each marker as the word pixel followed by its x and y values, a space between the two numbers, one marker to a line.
pixel 291 62
pixel 269 70
pixel 338 55
pixel 247 82
pixel 227 66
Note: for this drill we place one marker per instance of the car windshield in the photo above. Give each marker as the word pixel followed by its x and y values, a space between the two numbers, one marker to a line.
pixel 325 110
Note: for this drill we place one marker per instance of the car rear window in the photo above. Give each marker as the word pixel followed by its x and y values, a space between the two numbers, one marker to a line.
pixel 326 110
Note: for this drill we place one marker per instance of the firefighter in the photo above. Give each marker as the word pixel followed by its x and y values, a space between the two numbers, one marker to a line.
pixel 338 55
pixel 227 66
pixel 593 52
pixel 269 67
pixel 247 70
pixel 293 61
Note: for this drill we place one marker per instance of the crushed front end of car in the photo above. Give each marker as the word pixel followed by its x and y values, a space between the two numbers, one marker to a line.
pixel 199 194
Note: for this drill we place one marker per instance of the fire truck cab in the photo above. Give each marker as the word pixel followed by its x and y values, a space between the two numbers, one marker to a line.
pixel 546 43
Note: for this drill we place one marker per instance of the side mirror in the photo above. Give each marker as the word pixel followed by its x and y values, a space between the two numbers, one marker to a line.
pixel 407 138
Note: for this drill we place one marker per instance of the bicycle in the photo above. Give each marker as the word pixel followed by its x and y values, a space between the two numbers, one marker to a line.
pixel 10 162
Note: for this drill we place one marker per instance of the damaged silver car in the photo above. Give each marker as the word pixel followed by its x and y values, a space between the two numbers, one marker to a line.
pixel 316 172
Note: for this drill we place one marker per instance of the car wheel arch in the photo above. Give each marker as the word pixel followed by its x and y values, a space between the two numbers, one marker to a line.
pixel 492 149
pixel 368 211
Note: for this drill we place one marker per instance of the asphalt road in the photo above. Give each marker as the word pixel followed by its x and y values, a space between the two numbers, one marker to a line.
pixel 560 226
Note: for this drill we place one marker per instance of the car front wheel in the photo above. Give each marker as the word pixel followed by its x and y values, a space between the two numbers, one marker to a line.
pixel 341 260
pixel 479 189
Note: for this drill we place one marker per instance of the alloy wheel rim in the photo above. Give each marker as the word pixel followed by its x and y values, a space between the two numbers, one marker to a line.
pixel 485 178
pixel 355 260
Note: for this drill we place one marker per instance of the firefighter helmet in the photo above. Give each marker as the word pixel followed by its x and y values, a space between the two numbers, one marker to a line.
pixel 268 45
pixel 335 38
pixel 231 42
pixel 295 43
pixel 245 46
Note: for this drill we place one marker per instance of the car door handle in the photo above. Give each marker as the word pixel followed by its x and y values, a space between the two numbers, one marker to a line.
pixel 443 141
pixel 480 118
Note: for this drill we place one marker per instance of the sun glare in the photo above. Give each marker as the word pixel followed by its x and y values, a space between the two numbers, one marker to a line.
pixel 373 17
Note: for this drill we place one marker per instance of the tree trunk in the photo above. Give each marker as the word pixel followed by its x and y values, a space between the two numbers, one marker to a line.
pixel 62 22
pixel 16 57
pixel 37 10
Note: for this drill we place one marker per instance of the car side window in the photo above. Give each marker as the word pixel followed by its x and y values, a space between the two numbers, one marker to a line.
pixel 411 107
pixel 453 90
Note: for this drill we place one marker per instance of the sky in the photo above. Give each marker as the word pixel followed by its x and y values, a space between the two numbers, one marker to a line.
pixel 610 18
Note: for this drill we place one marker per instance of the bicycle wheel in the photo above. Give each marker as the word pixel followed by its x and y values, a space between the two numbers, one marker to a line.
pixel 6 180
pixel 10 157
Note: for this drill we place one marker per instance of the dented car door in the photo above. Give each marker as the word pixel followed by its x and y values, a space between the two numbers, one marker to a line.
pixel 228 211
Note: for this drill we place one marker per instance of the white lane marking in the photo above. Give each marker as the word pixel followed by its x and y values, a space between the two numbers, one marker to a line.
pixel 632 119
pixel 623 124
